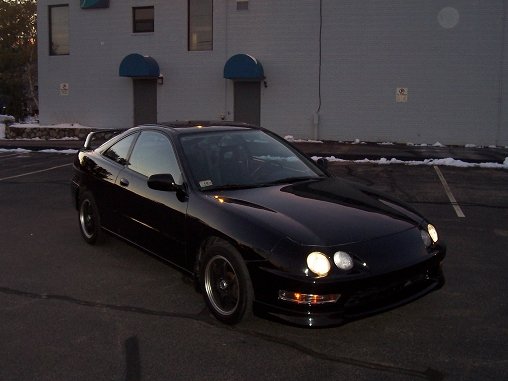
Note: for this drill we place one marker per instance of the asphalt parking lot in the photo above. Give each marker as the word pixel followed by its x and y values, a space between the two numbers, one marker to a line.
pixel 70 311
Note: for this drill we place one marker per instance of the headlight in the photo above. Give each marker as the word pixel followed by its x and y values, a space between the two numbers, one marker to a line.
pixel 427 241
pixel 318 263
pixel 429 237
pixel 432 232
pixel 343 260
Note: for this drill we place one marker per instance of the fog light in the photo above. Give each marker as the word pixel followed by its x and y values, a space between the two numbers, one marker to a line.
pixel 299 298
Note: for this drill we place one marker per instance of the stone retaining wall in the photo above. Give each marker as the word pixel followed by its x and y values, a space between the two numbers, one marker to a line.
pixel 46 133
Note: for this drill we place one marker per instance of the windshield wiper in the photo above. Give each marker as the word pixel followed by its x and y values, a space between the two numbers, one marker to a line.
pixel 228 187
pixel 286 180
pixel 290 180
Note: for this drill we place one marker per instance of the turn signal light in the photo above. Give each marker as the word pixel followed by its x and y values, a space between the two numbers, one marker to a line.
pixel 299 298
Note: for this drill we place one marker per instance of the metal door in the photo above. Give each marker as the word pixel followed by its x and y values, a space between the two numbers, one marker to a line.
pixel 145 101
pixel 247 103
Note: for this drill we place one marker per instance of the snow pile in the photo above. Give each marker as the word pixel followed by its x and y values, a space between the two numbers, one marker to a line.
pixel 6 118
pixel 450 162
pixel 3 120
pixel 22 150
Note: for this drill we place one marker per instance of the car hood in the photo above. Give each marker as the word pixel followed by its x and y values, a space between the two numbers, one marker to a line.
pixel 324 212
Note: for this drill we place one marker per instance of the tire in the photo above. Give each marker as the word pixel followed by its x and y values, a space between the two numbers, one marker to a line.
pixel 89 219
pixel 225 283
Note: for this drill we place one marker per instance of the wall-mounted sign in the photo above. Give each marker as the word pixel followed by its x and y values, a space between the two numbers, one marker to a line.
pixel 401 94
pixel 94 4
pixel 64 89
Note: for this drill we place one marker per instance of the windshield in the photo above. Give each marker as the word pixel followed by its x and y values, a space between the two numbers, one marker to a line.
pixel 243 159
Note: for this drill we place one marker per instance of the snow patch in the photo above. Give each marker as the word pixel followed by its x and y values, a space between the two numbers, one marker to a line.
pixel 66 151
pixel 6 118
pixel 291 139
pixel 22 150
pixel 450 162
pixel 16 150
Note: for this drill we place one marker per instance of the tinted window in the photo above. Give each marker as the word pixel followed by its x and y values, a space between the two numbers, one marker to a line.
pixel 242 157
pixel 120 150
pixel 153 154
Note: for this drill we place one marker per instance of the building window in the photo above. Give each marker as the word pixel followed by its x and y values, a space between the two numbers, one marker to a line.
pixel 142 19
pixel 242 5
pixel 200 25
pixel 58 30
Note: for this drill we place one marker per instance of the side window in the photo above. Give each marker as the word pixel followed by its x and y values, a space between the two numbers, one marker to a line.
pixel 119 151
pixel 154 154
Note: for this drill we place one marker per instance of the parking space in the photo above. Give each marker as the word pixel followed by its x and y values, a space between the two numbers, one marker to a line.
pixel 73 311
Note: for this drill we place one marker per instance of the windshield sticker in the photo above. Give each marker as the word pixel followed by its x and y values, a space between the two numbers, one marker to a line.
pixel 205 183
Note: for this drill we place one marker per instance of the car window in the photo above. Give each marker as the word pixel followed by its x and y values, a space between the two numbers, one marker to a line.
pixel 120 150
pixel 154 154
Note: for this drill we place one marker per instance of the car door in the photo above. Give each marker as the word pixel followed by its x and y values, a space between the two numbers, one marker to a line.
pixel 153 219
pixel 105 169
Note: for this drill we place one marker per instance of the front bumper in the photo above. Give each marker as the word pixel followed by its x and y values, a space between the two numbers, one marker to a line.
pixel 360 297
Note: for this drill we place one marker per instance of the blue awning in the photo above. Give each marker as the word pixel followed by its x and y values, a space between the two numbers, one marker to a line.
pixel 94 4
pixel 242 67
pixel 138 66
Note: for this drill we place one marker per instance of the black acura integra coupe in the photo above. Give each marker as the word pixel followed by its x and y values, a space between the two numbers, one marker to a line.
pixel 260 227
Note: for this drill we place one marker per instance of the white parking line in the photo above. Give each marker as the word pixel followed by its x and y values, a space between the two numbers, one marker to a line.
pixel 449 193
pixel 34 172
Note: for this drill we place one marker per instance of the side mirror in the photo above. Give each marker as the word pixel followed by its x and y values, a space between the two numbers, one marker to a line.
pixel 163 182
pixel 322 163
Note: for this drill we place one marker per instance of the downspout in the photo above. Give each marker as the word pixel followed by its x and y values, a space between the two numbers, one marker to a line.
pixel 225 115
pixel 501 110
pixel 315 118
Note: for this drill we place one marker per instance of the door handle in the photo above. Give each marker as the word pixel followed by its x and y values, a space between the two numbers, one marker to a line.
pixel 124 182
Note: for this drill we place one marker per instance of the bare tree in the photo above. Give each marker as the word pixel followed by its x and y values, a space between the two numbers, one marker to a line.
pixel 18 57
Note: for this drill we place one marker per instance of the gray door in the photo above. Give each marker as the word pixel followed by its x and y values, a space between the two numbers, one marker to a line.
pixel 145 101
pixel 247 102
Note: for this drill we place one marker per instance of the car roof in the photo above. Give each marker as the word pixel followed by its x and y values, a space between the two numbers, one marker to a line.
pixel 195 125
pixel 176 127
pixel 191 126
